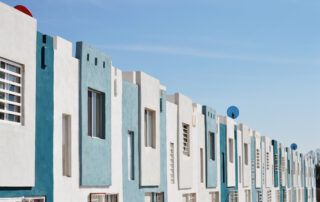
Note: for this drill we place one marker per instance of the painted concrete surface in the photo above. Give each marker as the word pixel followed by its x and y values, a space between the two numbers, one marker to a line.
pixel 18 44
pixel 95 153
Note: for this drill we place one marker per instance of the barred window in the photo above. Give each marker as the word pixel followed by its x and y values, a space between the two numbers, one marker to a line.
pixel 11 77
pixel 186 139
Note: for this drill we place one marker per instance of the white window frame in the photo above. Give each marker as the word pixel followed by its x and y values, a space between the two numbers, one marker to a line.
pixel 94 128
pixel 6 112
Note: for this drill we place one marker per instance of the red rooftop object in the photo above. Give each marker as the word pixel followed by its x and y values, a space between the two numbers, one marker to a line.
pixel 23 9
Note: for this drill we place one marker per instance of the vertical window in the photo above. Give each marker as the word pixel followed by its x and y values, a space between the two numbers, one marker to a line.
pixel 131 155
pixel 88 56
pixel 246 154
pixel 212 146
pixel 288 166
pixel 240 169
pixel 11 81
pixel 160 104
pixel 149 128
pixel 201 166
pixel 268 159
pixel 258 158
pixel 223 169
pixel 186 139
pixel 230 141
pixel 104 64
pixel 172 163
pixel 66 145
pixel 115 90
pixel 95 61
pixel 95 113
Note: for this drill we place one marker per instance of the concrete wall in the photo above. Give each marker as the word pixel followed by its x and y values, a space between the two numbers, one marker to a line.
pixel 211 164
pixel 172 120
pixel 95 153
pixel 185 165
pixel 18 44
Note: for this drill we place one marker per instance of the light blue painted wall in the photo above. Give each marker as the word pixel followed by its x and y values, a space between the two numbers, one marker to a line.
pixel 223 165
pixel 132 191
pixel 44 127
pixel 210 127
pixel 95 153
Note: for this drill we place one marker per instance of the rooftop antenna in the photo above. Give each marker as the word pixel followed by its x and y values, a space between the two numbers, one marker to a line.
pixel 233 112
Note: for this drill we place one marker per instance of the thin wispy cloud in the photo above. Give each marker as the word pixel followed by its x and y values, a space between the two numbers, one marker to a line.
pixel 186 51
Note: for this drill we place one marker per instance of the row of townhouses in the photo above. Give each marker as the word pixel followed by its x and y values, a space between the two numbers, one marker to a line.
pixel 77 129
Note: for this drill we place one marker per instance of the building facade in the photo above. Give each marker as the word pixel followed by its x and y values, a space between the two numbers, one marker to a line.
pixel 76 129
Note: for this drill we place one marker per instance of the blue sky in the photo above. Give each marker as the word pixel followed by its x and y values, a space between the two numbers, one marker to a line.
pixel 262 56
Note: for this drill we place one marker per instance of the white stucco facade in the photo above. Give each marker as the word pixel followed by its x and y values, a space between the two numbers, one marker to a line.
pixel 18 45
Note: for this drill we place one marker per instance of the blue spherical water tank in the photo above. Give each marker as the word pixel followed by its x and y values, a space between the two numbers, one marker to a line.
pixel 233 112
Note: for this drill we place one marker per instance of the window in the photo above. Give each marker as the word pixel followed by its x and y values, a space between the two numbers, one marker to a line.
pixel 186 139
pixel 115 90
pixel 230 141
pixel 214 196
pixel 223 169
pixel 88 56
pixel 268 159
pixel 240 169
pixel 201 166
pixel 66 145
pixel 171 163
pixel 233 196
pixel 193 197
pixel 258 158
pixel 276 162
pixel 159 197
pixel 98 197
pixel 288 166
pixel 160 104
pixel 247 196
pixel 212 146
pixel 95 61
pixel 131 155
pixel 104 64
pixel 148 197
pixel 95 113
pixel 246 154
pixel 149 128
pixel 112 198
pixel 11 80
